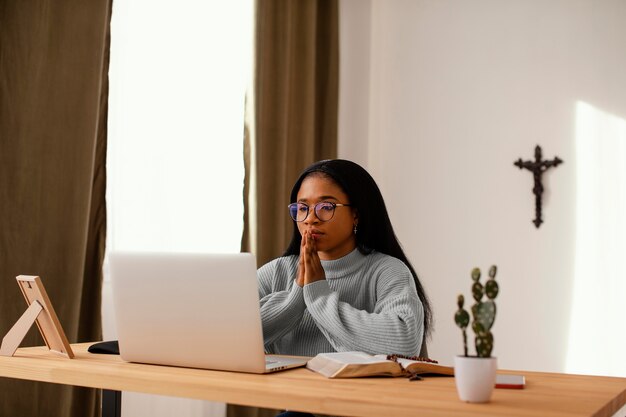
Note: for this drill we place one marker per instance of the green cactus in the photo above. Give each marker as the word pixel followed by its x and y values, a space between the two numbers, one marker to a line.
pixel 462 320
pixel 491 286
pixel 483 312
pixel 477 287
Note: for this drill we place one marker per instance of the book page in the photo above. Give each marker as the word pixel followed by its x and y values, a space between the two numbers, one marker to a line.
pixel 406 362
pixel 354 357
pixel 403 362
pixel 359 364
pixel 421 367
pixel 352 364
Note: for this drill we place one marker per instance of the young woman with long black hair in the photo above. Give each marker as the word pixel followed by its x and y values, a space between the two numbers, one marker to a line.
pixel 344 282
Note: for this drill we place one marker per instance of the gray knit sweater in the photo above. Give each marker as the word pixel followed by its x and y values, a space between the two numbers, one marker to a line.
pixel 367 303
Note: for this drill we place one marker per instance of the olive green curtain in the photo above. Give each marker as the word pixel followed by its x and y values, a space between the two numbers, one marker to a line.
pixel 53 102
pixel 292 120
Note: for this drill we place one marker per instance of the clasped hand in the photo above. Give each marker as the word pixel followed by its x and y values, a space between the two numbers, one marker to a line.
pixel 309 267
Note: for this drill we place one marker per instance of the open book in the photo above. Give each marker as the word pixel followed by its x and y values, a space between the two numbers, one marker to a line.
pixel 357 364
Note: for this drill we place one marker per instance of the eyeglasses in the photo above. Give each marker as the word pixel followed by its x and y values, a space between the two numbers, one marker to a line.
pixel 324 211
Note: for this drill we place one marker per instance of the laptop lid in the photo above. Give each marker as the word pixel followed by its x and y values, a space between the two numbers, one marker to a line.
pixel 191 310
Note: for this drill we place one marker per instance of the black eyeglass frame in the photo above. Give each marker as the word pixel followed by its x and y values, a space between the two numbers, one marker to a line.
pixel 308 210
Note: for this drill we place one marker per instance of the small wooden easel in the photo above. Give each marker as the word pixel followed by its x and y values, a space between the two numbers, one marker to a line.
pixel 41 312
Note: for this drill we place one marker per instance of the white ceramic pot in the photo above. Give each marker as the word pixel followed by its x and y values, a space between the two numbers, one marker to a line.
pixel 475 378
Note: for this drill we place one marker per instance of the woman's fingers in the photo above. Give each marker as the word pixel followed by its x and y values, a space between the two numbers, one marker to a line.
pixel 313 266
pixel 300 277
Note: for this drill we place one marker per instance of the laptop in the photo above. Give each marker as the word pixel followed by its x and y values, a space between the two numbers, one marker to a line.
pixel 191 310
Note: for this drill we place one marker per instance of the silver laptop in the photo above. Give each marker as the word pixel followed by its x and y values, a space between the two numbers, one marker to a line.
pixel 191 310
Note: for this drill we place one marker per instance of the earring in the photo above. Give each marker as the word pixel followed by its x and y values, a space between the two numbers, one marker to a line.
pixel 354 229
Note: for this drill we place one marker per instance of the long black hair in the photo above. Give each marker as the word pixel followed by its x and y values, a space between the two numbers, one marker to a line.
pixel 374 231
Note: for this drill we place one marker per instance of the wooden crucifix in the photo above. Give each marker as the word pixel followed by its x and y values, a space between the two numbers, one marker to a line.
pixel 538 167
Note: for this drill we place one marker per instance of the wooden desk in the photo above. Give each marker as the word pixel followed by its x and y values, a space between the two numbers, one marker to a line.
pixel 546 394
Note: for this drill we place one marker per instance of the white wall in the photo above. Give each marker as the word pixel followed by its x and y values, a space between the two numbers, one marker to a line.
pixel 456 92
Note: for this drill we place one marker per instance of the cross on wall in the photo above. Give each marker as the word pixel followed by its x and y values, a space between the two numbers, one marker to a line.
pixel 538 167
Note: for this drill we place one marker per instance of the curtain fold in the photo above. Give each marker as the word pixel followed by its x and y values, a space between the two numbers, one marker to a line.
pixel 293 120
pixel 53 101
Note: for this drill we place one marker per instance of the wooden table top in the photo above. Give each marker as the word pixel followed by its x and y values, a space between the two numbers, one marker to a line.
pixel 546 394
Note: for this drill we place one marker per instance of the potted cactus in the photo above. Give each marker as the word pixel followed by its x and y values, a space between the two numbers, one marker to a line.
pixel 475 375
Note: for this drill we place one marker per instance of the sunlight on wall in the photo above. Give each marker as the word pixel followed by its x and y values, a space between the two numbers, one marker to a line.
pixel 178 77
pixel 597 332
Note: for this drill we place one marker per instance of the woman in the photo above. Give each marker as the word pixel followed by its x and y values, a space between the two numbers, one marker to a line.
pixel 344 283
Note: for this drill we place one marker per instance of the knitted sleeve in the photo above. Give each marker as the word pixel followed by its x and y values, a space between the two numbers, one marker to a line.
pixel 282 300
pixel 394 326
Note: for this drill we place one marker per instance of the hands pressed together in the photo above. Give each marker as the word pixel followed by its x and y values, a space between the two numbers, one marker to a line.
pixel 309 267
